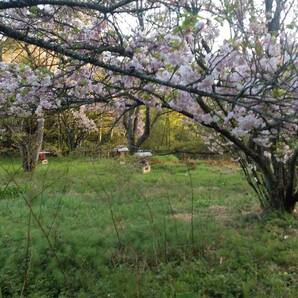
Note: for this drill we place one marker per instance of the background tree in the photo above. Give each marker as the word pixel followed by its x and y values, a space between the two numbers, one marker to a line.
pixel 176 134
pixel 138 125
pixel 75 126
pixel 26 130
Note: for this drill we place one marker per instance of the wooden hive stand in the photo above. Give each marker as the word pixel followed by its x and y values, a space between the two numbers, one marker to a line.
pixel 144 160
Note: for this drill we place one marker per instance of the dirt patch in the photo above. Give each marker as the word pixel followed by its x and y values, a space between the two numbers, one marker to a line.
pixel 252 212
pixel 221 213
pixel 218 209
pixel 207 188
pixel 182 216
pixel 292 232
pixel 224 165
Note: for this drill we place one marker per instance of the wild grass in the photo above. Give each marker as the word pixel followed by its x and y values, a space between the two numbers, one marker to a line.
pixel 95 228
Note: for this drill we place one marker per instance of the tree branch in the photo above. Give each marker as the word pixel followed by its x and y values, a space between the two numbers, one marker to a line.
pixel 69 3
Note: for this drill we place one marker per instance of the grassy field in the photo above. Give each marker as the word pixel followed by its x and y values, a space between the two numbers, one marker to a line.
pixel 94 228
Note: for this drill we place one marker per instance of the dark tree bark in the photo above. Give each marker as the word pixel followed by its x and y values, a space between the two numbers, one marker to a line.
pixel 275 183
pixel 30 145
pixel 273 17
pixel 131 122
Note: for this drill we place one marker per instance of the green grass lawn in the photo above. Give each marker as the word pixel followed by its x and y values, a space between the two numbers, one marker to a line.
pixel 94 228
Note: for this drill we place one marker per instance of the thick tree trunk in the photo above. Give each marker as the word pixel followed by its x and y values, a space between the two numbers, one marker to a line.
pixel 30 146
pixel 131 122
pixel 276 188
pixel 279 201
pixel 282 194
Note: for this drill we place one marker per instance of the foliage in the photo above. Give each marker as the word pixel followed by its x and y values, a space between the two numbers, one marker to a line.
pixel 175 133
pixel 10 192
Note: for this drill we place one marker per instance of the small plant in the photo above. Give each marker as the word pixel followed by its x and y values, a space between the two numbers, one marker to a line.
pixel 10 192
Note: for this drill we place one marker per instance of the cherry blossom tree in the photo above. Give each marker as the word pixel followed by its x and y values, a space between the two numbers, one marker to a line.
pixel 40 84
pixel 75 126
pixel 241 86
pixel 25 133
